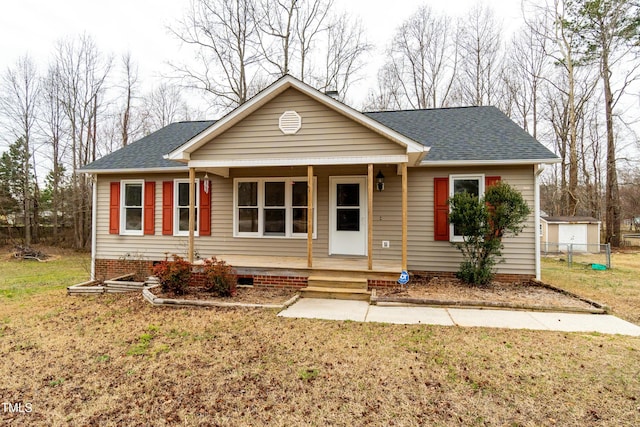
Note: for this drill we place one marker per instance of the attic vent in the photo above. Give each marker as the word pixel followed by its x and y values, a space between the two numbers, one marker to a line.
pixel 290 122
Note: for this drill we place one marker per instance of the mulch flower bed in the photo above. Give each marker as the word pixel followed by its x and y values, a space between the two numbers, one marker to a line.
pixel 247 295
pixel 517 294
pixel 435 290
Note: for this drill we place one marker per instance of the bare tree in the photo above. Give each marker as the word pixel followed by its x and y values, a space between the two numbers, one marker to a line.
pixel 528 64
pixel 343 58
pixel 480 53
pixel 224 34
pixel 54 129
pixel 388 95
pixel 422 68
pixel 425 56
pixel 127 128
pixel 18 104
pixel 277 32
pixel 309 23
pixel 608 34
pixel 162 106
pixel 82 71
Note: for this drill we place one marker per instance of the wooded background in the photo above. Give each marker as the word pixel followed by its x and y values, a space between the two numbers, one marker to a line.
pixel 569 76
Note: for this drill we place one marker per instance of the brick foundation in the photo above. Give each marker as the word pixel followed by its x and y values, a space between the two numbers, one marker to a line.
pixel 110 268
pixel 500 277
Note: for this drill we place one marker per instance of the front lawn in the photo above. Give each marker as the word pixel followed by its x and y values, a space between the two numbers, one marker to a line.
pixel 619 288
pixel 116 360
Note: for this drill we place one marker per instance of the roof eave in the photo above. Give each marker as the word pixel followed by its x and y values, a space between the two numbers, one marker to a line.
pixel 489 162
pixel 136 170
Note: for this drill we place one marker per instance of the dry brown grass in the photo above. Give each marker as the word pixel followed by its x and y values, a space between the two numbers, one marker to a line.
pixel 619 288
pixel 115 360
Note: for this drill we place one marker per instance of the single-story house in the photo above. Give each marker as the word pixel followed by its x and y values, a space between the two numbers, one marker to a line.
pixel 558 232
pixel 294 185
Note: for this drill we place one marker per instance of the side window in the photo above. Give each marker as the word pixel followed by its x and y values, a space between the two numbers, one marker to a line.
pixel 181 208
pixel 472 184
pixel 131 207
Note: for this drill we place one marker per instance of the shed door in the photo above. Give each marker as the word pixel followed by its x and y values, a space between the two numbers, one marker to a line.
pixel 575 234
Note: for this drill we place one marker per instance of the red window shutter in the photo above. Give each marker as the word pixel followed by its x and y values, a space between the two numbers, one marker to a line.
pixel 149 207
pixel 441 209
pixel 114 208
pixel 490 180
pixel 204 227
pixel 167 207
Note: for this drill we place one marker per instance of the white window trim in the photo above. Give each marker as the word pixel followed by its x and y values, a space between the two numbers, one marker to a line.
pixel 480 177
pixel 288 207
pixel 123 208
pixel 176 216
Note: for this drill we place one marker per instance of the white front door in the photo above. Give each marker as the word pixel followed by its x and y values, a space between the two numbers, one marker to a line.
pixel 348 215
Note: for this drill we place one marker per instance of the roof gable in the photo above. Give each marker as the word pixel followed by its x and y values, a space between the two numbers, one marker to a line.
pixel 183 153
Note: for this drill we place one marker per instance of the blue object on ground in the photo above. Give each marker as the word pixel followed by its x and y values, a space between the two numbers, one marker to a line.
pixel 598 266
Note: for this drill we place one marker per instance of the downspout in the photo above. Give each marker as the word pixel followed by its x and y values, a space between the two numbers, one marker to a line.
pixel 94 232
pixel 536 218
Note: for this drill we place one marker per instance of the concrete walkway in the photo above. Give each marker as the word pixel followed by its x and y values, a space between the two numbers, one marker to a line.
pixel 361 311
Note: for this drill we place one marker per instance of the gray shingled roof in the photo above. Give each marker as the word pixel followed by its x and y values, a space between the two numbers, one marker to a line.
pixel 148 152
pixel 454 134
pixel 465 133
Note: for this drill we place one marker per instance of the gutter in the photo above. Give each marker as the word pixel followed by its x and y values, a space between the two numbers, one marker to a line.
pixel 536 219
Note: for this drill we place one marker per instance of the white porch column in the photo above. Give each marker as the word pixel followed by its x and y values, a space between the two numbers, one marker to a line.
pixel 192 212
pixel 310 208
pixel 370 217
pixel 403 168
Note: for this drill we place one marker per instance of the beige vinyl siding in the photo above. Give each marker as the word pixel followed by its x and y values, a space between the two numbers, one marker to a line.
pixel 386 209
pixel 426 254
pixel 324 133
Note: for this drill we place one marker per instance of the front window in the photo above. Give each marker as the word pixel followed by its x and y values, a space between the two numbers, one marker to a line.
pixel 181 200
pixel 270 207
pixel 131 212
pixel 472 184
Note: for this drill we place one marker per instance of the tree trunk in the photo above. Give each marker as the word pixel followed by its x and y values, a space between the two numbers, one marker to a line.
pixel 612 197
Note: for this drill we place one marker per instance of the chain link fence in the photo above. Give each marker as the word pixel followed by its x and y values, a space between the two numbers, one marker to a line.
pixel 579 253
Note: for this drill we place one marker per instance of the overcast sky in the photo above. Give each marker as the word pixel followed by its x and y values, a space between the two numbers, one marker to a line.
pixel 140 26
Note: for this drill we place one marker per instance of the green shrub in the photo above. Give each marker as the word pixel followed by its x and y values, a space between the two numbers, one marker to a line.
pixel 483 223
pixel 220 277
pixel 173 275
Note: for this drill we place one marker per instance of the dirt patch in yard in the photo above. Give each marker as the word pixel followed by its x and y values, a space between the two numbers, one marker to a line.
pixel 517 294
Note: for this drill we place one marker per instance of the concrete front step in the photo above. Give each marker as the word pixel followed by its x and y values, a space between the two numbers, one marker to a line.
pixel 335 293
pixel 343 282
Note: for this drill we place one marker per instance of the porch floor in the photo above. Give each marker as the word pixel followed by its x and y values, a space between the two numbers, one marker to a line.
pixel 347 264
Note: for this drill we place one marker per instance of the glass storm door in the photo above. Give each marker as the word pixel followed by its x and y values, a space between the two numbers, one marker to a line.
pixel 348 215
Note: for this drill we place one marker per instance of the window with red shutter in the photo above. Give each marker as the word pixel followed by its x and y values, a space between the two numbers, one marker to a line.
pixel 441 209
pixel 149 207
pixel 114 208
pixel 167 208
pixel 205 208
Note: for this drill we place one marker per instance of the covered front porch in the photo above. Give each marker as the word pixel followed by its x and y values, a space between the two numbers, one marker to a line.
pixel 323 241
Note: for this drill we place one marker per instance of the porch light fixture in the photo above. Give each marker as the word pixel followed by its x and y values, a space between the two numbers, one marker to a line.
pixel 380 181
pixel 206 183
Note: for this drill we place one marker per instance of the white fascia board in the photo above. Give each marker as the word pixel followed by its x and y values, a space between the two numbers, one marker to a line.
pixel 488 162
pixel 139 170
pixel 182 153
pixel 315 161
